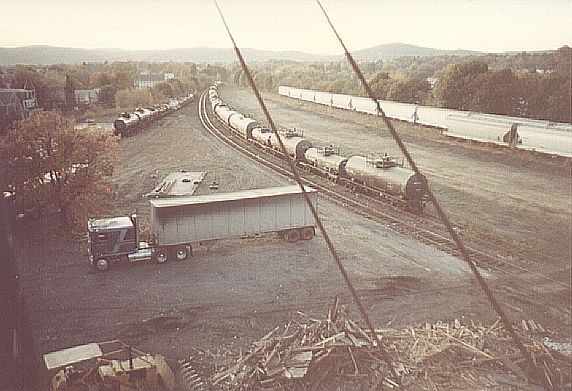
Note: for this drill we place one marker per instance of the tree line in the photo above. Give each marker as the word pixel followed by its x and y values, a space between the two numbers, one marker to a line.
pixel 116 81
pixel 530 85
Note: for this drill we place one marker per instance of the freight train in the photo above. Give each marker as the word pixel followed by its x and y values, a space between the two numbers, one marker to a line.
pixel 381 176
pixel 128 123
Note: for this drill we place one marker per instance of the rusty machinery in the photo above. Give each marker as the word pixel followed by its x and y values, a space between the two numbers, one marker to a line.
pixel 121 368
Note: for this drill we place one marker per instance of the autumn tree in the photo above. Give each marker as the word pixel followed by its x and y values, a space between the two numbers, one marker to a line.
pixel 107 95
pixel 380 84
pixel 49 165
pixel 409 91
pixel 458 86
pixel 130 98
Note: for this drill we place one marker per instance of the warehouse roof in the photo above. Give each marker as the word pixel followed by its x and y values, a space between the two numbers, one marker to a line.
pixel 176 184
pixel 239 195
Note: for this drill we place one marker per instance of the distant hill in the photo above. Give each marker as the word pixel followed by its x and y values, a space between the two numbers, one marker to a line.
pixel 394 50
pixel 47 55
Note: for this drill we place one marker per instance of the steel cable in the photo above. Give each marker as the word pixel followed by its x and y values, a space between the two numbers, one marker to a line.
pixel 386 357
pixel 442 216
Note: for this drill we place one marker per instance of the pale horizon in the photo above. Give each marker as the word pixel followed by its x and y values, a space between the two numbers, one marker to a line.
pixel 297 25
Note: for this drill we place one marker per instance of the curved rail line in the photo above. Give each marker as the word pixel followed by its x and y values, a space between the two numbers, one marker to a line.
pixel 368 206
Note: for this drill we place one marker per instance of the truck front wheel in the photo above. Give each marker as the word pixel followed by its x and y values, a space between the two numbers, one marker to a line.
pixel 162 255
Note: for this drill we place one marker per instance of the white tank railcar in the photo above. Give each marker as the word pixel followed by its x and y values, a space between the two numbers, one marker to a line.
pixel 296 146
pixel 262 135
pixel 385 175
pixel 216 102
pixel 224 113
pixel 243 125
pixel 326 159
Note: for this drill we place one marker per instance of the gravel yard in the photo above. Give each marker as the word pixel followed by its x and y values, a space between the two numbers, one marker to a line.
pixel 233 292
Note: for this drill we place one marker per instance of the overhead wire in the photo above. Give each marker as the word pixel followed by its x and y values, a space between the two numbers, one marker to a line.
pixel 442 216
pixel 386 357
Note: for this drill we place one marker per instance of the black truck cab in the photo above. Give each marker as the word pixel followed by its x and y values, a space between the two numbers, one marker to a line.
pixel 111 239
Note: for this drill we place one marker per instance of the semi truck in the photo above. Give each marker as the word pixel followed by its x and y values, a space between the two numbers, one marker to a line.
pixel 179 223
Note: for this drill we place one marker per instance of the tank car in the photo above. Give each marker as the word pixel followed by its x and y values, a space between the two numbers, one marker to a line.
pixel 326 159
pixel 216 102
pixel 224 113
pixel 262 135
pixel 295 145
pixel 243 125
pixel 385 174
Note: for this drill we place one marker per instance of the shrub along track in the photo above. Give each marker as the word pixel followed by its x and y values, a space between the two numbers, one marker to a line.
pixel 490 254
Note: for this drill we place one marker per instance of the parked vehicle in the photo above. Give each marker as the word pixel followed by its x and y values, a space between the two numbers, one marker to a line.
pixel 178 223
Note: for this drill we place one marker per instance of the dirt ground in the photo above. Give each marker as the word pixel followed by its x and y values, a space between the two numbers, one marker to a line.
pixel 233 292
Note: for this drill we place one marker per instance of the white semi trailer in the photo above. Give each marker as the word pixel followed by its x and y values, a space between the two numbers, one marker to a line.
pixel 178 223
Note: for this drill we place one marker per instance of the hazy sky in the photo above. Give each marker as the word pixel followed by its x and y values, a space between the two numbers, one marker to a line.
pixel 486 25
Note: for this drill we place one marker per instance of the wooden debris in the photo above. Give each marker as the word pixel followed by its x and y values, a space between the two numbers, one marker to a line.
pixel 336 353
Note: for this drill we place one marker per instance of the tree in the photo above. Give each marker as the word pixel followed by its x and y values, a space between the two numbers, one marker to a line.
pixel 107 95
pixel 409 91
pixel 130 98
pixel 457 88
pixel 165 88
pixel 48 164
pixel 70 94
pixel 380 84
pixel 496 93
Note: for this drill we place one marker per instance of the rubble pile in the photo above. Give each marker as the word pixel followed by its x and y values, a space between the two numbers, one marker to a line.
pixel 335 353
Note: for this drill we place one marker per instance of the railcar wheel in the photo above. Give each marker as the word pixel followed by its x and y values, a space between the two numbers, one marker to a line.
pixel 307 233
pixel 292 235
pixel 182 253
pixel 162 255
pixel 102 264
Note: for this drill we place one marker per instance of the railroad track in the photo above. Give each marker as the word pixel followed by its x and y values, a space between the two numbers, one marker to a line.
pixel 426 230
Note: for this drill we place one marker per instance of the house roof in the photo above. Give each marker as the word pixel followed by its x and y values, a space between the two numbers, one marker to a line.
pixel 29 85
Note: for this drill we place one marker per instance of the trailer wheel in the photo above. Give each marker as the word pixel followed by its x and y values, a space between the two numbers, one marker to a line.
pixel 182 253
pixel 307 233
pixel 162 255
pixel 102 264
pixel 292 235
